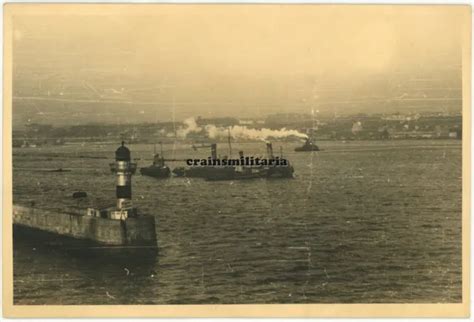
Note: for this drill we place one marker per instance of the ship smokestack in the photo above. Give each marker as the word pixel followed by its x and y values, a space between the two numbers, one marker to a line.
pixel 269 150
pixel 123 169
pixel 214 151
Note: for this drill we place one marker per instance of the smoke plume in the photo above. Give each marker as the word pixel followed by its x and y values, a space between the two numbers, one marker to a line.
pixel 236 132
pixel 190 126
pixel 242 132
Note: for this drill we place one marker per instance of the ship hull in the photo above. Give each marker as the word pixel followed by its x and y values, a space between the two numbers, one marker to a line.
pixel 203 172
pixel 234 176
pixel 304 149
pixel 261 173
pixel 280 172
pixel 156 172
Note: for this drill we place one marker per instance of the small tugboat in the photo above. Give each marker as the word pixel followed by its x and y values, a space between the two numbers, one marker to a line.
pixel 307 146
pixel 158 169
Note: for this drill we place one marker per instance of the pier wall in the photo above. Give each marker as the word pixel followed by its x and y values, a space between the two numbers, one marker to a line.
pixel 138 231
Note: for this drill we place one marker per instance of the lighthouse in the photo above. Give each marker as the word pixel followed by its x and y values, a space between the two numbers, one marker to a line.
pixel 123 169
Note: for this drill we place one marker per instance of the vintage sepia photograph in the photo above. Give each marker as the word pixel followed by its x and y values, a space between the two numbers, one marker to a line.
pixel 171 155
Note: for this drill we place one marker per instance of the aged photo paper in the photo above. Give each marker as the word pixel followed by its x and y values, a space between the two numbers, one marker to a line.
pixel 236 160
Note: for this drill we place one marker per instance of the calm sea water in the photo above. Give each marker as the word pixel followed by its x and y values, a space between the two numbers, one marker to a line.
pixel 362 222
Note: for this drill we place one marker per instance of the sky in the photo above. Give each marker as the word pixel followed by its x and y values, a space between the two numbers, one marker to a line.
pixel 168 62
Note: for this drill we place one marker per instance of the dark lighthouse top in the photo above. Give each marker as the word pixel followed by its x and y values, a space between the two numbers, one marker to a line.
pixel 122 153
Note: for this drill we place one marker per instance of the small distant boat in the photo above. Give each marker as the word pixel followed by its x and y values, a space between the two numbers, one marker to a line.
pixel 158 169
pixel 307 146
pixel 56 170
pixel 59 170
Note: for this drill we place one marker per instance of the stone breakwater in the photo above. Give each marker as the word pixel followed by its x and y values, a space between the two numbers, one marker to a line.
pixel 139 231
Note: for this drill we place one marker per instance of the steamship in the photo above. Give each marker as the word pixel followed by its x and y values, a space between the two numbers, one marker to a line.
pixel 255 172
pixel 218 173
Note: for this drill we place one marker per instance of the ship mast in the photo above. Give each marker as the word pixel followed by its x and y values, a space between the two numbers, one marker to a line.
pixel 228 140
